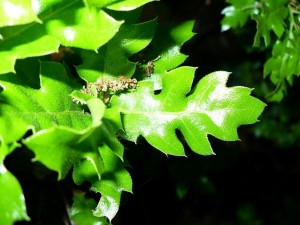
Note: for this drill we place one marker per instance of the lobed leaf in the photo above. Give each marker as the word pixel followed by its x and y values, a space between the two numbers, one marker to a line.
pixel 164 51
pixel 66 23
pixel 37 100
pixel 81 211
pixel 112 58
pixel 12 204
pixel 115 179
pixel 95 153
pixel 271 19
pixel 16 13
pixel 210 108
pixel 282 65
pixel 105 171
pixel 238 13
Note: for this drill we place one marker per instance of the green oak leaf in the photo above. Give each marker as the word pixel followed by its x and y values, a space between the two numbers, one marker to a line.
pixel 14 12
pixel 111 60
pixel 37 100
pixel 119 5
pixel 66 23
pixel 128 5
pixel 105 171
pixel 165 50
pixel 17 45
pixel 103 166
pixel 270 19
pixel 95 153
pixel 82 27
pixel 283 65
pixel 131 17
pixel 59 147
pixel 111 124
pixel 238 13
pixel 12 204
pixel 81 211
pixel 210 108
pixel 285 59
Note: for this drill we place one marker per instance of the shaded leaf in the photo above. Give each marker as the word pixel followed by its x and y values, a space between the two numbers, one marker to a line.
pixel 105 171
pixel 282 65
pixel 94 152
pixel 115 179
pixel 60 147
pixel 270 19
pixel 12 204
pixel 284 61
pixel 81 211
pixel 112 58
pixel 128 16
pixel 164 52
pixel 127 5
pixel 238 13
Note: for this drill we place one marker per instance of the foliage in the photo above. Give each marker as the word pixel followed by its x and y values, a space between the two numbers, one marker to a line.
pixel 78 77
pixel 277 24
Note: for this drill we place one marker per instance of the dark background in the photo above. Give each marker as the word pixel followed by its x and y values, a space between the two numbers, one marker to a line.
pixel 249 182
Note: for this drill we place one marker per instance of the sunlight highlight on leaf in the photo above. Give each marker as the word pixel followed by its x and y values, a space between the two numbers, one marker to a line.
pixel 210 108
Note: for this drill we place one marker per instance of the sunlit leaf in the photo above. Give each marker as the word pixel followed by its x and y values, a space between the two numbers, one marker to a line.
pixel 14 12
pixel 37 100
pixel 112 58
pixel 210 108
pixel 66 23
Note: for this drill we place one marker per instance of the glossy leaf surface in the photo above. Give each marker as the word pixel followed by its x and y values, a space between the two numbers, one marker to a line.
pixel 210 108
pixel 66 23
pixel 14 12
pixel 37 100
pixel 112 58
pixel 164 52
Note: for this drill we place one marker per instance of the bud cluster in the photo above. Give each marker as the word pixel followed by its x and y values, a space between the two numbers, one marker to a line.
pixel 109 84
pixel 104 87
